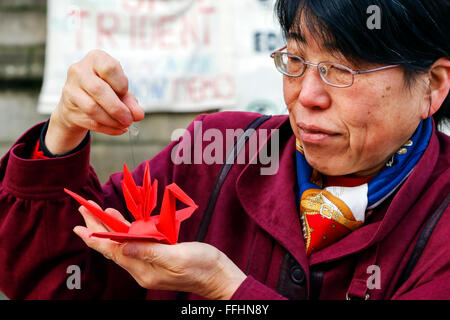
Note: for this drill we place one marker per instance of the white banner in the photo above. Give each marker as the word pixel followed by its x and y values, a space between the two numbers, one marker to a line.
pixel 179 55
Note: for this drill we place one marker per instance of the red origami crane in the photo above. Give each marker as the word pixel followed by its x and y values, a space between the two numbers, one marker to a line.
pixel 140 202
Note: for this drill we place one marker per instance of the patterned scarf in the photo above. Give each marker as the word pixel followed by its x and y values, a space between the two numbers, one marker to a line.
pixel 328 214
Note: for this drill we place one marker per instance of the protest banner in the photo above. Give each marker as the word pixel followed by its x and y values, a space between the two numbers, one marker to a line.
pixel 179 55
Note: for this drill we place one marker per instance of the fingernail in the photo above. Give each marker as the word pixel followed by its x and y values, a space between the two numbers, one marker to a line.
pixel 127 119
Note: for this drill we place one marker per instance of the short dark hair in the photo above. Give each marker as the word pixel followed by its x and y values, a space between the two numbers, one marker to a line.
pixel 413 33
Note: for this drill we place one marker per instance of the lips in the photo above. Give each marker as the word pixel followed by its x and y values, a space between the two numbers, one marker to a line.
pixel 315 134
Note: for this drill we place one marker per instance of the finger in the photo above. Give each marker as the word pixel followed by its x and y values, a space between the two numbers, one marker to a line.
pixel 117 215
pixel 97 225
pixel 104 95
pixel 98 127
pixel 131 102
pixel 83 120
pixel 84 103
pixel 110 70
pixel 93 223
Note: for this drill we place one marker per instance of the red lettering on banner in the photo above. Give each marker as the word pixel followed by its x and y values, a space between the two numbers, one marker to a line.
pixel 164 32
pixel 225 87
pixel 147 30
pixel 142 26
pixel 190 27
pixel 206 27
pixel 107 31
pixel 80 16
pixel 199 89
pixel 133 31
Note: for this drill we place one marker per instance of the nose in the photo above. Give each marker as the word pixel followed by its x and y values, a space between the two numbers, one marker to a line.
pixel 313 92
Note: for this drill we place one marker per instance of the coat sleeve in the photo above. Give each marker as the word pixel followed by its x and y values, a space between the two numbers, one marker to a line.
pixel 40 256
pixel 252 289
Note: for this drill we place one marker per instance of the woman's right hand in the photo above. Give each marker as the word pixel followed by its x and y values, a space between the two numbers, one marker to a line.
pixel 95 97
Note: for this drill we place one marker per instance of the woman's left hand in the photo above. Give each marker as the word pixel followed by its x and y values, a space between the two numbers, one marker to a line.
pixel 190 266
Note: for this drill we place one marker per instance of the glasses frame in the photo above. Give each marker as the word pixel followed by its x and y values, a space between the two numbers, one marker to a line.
pixel 305 64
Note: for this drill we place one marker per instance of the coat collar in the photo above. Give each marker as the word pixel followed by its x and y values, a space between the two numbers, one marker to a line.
pixel 270 199
pixel 271 202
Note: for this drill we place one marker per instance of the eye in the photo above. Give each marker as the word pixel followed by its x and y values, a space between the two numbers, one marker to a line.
pixel 294 59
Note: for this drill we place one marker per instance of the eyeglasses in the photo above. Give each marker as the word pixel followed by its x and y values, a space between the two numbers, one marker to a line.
pixel 333 74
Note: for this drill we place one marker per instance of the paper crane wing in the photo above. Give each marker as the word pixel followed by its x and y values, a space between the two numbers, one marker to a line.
pixel 112 222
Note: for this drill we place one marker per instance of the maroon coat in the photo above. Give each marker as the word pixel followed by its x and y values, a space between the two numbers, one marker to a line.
pixel 256 223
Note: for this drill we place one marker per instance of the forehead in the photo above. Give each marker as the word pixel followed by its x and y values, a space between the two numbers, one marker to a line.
pixel 309 34
pixel 305 42
pixel 308 29
pixel 303 37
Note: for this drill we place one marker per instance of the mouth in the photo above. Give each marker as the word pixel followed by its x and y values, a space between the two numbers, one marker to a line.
pixel 315 134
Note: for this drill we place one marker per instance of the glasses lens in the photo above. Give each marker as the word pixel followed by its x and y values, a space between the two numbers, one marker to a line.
pixel 288 64
pixel 336 74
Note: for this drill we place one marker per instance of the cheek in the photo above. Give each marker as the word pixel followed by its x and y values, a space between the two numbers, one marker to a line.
pixel 362 115
pixel 368 106
pixel 293 123
pixel 291 91
pixel 379 125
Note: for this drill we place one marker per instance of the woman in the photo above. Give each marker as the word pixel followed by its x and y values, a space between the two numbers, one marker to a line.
pixel 362 168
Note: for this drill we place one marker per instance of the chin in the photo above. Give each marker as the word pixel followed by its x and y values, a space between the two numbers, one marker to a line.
pixel 327 166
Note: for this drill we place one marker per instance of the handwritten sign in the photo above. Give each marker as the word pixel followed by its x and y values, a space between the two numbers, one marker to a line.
pixel 179 55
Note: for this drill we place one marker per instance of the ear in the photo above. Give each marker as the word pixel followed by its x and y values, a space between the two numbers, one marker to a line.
pixel 439 83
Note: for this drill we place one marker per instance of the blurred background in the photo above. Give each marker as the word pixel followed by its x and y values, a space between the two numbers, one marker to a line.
pixel 182 57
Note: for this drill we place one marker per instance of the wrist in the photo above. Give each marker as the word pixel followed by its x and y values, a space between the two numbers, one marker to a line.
pixel 60 138
pixel 227 280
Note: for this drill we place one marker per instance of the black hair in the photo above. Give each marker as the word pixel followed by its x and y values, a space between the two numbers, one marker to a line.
pixel 412 33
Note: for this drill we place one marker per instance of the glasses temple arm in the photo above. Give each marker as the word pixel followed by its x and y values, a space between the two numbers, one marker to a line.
pixel 376 69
